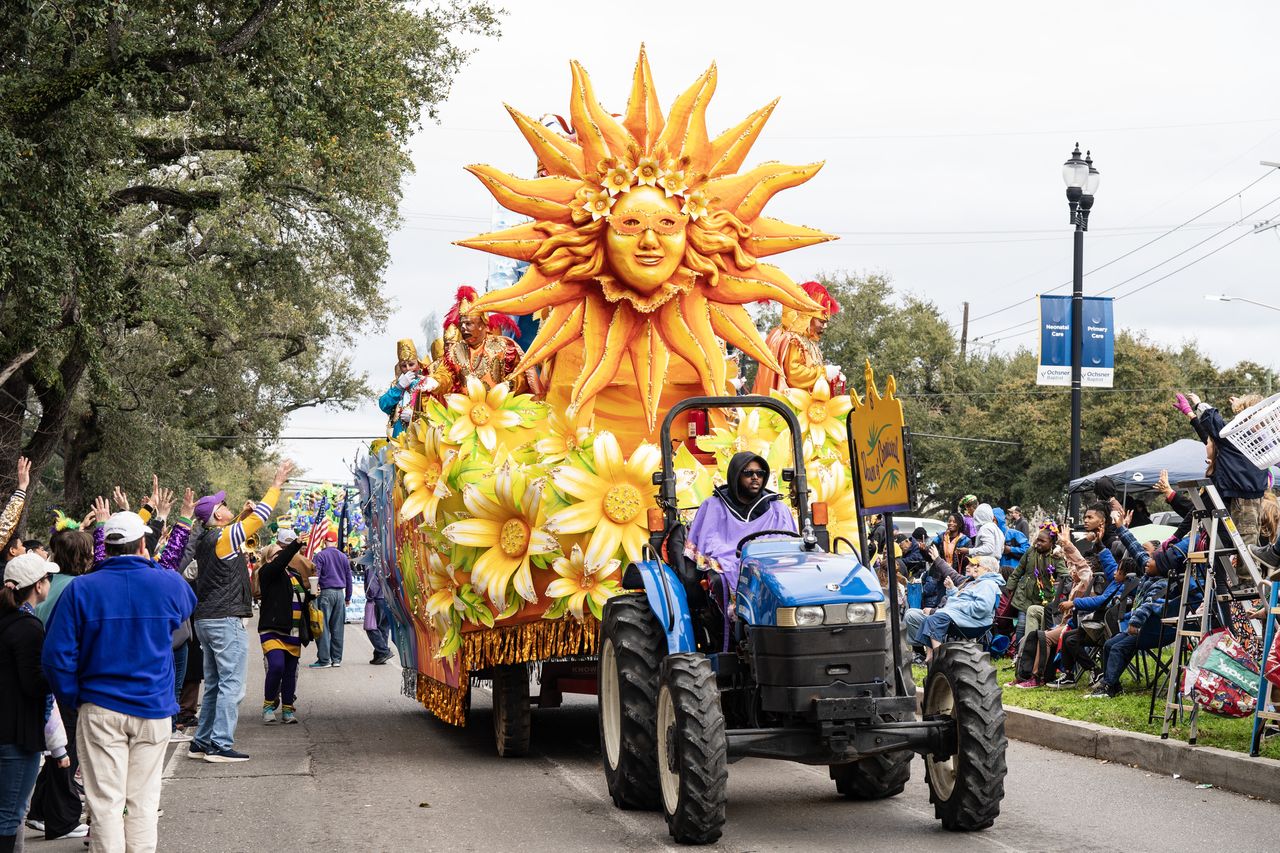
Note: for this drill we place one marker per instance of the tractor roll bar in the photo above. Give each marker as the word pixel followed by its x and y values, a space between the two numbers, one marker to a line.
pixel 800 484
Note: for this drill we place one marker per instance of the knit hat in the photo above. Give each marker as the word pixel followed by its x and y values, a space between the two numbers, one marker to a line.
pixel 207 504
pixel 968 499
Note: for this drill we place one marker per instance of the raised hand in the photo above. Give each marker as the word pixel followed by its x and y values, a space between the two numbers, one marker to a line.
pixel 282 473
pixel 188 509
pixel 121 499
pixel 163 502
pixel 154 497
pixel 24 473
pixel 1163 483
pixel 101 510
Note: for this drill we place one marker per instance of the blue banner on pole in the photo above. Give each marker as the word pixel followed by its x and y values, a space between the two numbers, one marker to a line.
pixel 1097 369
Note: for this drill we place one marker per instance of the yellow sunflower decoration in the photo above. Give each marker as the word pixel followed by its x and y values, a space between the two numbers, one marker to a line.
pixel 425 465
pixel 644 246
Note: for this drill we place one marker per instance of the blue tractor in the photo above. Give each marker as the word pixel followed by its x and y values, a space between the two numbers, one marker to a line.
pixel 814 669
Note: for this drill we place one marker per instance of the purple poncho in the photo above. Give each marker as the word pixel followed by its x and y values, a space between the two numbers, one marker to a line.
pixel 717 530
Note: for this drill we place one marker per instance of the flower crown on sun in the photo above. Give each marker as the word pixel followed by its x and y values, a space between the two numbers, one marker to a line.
pixel 613 177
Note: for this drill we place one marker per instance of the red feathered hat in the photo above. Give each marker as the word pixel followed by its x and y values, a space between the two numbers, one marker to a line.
pixel 499 323
pixel 463 300
pixel 819 294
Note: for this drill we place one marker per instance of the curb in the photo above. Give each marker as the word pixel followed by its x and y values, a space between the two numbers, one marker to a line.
pixel 1222 768
pixel 1231 771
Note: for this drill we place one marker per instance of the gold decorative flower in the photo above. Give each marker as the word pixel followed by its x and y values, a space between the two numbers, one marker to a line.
pixel 580 583
pixel 426 466
pixel 647 171
pixel 695 204
pixel 568 434
pixel 821 416
pixel 511 533
pixel 833 486
pixel 598 203
pixel 443 583
pixel 672 181
pixel 617 178
pixel 481 413
pixel 611 501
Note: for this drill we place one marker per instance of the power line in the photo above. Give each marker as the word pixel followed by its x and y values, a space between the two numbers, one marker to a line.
pixel 1207 210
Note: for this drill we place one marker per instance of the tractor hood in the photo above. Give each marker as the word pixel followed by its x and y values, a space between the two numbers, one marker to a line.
pixel 780 573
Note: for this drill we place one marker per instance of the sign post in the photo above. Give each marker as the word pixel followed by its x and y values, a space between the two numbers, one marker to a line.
pixel 1098 342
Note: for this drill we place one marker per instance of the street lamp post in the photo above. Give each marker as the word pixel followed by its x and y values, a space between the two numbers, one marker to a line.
pixel 1082 182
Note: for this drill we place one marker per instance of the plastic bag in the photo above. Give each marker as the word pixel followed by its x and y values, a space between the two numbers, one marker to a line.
pixel 1272 669
pixel 1222 676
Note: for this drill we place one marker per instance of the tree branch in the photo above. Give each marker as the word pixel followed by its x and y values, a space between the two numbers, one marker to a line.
pixel 164 150
pixel 13 366
pixel 148 193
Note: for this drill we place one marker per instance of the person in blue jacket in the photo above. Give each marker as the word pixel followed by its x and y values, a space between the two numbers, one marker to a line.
pixel 1016 544
pixel 108 652
pixel 969 611
pixel 1078 610
pixel 400 401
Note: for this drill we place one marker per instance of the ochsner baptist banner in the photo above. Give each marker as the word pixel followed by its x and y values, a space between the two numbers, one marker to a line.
pixel 1099 343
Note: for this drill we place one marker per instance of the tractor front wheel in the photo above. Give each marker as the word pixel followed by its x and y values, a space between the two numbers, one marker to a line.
pixel 632 646
pixel 966 787
pixel 692 749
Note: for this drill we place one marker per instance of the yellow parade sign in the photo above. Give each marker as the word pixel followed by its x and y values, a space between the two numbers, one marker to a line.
pixel 879 449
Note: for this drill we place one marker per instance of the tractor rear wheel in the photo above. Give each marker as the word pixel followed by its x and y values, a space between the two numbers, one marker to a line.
pixel 967 786
pixel 632 646
pixel 692 749
pixel 512 719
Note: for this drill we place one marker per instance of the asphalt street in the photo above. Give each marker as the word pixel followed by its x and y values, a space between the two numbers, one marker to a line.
pixel 369 770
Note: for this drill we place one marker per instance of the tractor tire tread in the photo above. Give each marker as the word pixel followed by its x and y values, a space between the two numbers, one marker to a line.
pixel 640 646
pixel 512 720
pixel 702 749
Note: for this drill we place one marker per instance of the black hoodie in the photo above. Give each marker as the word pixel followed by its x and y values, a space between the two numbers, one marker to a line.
pixel 745 508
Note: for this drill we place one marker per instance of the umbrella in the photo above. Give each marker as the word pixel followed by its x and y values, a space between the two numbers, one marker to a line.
pixel 1184 460
pixel 1148 532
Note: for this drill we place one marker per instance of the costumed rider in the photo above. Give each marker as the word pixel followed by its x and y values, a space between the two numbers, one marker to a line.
pixel 742 506
pixel 475 346
pixel 795 345
pixel 401 400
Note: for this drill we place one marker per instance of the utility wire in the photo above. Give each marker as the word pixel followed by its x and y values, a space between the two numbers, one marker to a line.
pixel 1207 210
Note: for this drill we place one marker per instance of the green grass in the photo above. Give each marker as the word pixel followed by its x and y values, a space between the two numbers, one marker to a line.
pixel 1127 711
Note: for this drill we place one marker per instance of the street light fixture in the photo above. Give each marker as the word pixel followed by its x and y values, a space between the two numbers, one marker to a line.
pixel 1082 181
pixel 1222 297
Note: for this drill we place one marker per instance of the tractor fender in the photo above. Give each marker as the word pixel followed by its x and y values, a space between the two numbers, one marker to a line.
pixel 665 592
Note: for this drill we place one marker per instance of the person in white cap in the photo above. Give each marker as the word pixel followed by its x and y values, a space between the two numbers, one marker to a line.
pixel 109 653
pixel 23 688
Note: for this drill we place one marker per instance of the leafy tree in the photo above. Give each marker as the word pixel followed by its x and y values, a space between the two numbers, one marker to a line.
pixel 194 199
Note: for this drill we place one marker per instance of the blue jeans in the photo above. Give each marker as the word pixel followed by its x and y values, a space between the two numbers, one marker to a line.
pixel 18 771
pixel 1120 649
pixel 378 636
pixel 226 657
pixel 937 625
pixel 333 604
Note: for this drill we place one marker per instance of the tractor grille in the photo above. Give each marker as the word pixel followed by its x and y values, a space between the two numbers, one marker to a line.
pixel 794 666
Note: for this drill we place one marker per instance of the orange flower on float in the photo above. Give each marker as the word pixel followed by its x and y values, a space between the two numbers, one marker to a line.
pixel 580 584
pixel 617 177
pixel 673 180
pixel 598 203
pixel 695 204
pixel 647 171
pixel 611 501
pixel 482 413
pixel 510 531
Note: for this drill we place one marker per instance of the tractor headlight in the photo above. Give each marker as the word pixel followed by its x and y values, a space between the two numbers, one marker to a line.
pixel 861 613
pixel 807 617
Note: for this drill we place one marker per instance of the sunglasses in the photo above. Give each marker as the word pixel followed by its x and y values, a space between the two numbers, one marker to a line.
pixel 754 473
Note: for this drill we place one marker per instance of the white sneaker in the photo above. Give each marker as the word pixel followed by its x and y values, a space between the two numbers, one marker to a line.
pixel 179 736
pixel 37 825
pixel 81 831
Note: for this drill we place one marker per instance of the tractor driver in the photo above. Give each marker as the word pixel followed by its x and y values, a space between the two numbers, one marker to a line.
pixel 742 506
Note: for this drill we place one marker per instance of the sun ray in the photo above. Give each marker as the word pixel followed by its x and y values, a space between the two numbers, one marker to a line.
pixel 675 332
pixel 697 314
pixel 562 327
pixel 644 115
pixel 541 198
pixel 734 325
pixel 746 195
pixel 521 242
pixel 649 360
pixel 599 134
pixel 754 285
pixel 553 294
pixel 686 127
pixel 624 326
pixel 773 236
pixel 598 315
pixel 730 148
pixel 559 156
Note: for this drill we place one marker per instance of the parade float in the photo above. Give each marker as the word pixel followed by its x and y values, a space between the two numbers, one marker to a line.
pixel 514 490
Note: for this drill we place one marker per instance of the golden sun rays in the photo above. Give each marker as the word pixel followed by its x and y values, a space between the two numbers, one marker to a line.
pixel 645 240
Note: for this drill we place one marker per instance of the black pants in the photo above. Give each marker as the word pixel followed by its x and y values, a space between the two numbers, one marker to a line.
pixel 1075 651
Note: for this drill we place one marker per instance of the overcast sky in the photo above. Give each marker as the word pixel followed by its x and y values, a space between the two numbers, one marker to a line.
pixel 943 127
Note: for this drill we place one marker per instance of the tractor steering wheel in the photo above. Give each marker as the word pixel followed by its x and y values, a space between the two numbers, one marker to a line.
pixel 751 536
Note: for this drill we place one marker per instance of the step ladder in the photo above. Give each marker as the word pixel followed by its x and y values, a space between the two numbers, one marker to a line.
pixel 1212 567
pixel 1265 688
